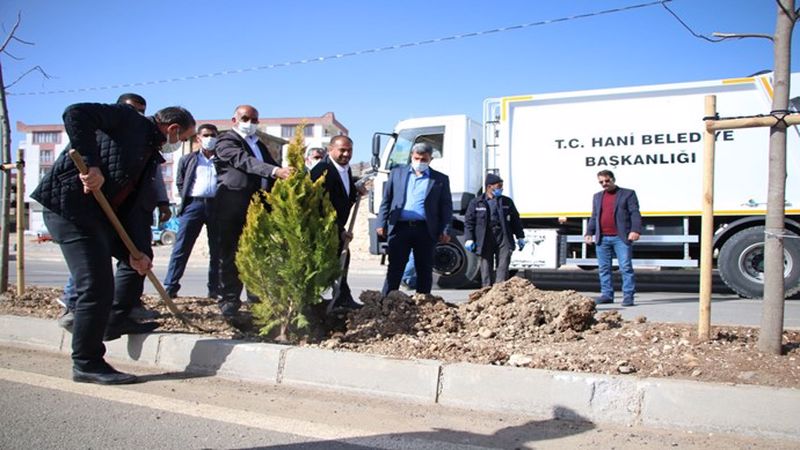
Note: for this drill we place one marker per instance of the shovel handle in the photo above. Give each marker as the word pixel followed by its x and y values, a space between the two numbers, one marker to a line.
pixel 126 239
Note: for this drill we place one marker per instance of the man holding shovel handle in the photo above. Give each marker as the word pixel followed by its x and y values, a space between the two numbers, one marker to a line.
pixel 122 151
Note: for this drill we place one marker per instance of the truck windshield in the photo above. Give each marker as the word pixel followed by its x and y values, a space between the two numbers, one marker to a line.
pixel 401 149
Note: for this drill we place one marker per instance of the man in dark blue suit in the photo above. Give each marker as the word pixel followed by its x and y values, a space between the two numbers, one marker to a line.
pixel 197 184
pixel 614 226
pixel 415 213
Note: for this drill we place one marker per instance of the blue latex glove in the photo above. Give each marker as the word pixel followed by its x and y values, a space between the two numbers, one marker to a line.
pixel 521 243
pixel 470 246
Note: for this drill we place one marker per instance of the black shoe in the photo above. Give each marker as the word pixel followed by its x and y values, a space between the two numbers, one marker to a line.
pixel 142 313
pixel 347 304
pixel 129 326
pixel 110 377
pixel 229 308
pixel 214 295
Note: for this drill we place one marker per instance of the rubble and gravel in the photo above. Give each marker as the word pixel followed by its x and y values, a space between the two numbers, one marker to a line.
pixel 512 323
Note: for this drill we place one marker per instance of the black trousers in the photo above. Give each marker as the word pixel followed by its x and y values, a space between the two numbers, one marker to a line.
pixel 406 237
pixel 495 250
pixel 104 298
pixel 231 212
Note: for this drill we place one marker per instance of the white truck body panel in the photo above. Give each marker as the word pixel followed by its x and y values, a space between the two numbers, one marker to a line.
pixel 552 146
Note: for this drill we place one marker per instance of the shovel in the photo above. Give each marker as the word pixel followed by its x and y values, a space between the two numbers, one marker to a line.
pixel 343 256
pixel 112 217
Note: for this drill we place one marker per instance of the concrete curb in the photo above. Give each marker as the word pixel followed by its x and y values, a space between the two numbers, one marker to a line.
pixel 626 400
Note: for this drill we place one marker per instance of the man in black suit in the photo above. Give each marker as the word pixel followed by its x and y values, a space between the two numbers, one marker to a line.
pixel 416 212
pixel 341 187
pixel 244 166
pixel 197 184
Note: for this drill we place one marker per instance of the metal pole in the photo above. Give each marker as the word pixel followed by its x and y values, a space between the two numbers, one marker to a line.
pixel 707 225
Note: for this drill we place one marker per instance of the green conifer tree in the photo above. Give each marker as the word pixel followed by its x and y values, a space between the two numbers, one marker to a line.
pixel 288 251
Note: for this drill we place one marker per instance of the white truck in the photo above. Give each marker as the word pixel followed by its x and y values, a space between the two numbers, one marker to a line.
pixel 548 149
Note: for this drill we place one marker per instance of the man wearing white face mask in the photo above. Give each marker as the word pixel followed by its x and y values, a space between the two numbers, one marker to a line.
pixel 197 183
pixel 416 213
pixel 244 166
pixel 121 148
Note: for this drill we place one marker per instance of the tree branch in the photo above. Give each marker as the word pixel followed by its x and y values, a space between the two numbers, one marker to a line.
pixel 792 15
pixel 11 34
pixel 22 41
pixel 723 36
pixel 34 69
pixel 12 56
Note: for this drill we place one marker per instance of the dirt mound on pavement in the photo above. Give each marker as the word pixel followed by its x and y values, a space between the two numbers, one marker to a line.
pixel 516 310
pixel 507 311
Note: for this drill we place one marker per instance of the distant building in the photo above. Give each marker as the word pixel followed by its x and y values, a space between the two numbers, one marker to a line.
pixel 43 144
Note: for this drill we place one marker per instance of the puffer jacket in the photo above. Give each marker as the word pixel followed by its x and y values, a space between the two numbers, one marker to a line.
pixel 123 144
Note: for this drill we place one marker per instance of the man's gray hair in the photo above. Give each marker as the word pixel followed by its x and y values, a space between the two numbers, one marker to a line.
pixel 422 147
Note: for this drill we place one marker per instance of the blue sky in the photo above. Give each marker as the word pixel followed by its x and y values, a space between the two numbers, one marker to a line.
pixel 85 44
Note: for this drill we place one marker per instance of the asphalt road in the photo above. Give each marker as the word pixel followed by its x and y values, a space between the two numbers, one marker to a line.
pixel 43 409
pixel 679 305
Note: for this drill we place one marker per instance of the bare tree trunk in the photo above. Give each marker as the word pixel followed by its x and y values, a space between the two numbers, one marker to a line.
pixel 770 338
pixel 5 187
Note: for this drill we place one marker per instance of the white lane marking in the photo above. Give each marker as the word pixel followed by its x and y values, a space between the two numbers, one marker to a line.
pixel 251 419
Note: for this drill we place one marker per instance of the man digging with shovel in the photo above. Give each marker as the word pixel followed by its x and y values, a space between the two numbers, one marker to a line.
pixel 344 191
pixel 121 149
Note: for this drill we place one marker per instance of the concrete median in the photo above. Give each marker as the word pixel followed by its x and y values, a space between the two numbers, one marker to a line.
pixel 628 400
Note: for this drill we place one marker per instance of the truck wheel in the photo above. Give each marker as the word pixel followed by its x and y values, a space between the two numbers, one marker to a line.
pixel 741 263
pixel 453 263
pixel 167 237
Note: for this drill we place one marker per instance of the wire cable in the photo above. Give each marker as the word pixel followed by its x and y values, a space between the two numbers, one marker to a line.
pixel 342 55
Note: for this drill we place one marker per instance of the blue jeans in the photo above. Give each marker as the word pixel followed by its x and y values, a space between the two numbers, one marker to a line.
pixel 609 247
pixel 197 213
pixel 410 273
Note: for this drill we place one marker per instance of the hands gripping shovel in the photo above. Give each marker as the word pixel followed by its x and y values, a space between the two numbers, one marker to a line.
pixel 112 217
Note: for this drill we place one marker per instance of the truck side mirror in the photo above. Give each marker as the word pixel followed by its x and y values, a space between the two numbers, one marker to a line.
pixel 376 146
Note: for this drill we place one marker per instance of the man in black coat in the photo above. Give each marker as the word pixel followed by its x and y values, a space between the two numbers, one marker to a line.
pixel 490 225
pixel 121 148
pixel 244 166
pixel 197 185
pixel 342 190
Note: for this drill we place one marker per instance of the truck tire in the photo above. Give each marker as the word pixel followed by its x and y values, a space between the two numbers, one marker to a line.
pixel 454 265
pixel 167 237
pixel 741 263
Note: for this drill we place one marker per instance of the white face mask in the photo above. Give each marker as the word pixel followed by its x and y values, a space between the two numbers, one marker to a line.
pixel 419 166
pixel 248 128
pixel 208 142
pixel 171 147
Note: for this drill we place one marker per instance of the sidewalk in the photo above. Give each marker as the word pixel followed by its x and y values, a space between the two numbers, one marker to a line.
pixel 623 400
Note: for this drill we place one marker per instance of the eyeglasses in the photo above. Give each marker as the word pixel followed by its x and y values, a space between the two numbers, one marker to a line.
pixel 605 181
